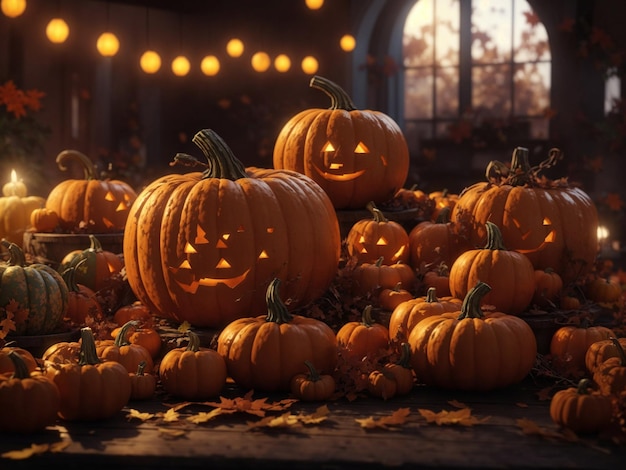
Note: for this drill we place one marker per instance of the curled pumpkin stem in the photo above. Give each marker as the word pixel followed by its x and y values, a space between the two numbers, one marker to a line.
pixel 470 308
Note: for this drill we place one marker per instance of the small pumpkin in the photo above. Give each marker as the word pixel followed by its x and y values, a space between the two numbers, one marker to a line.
pixel 193 372
pixel 130 355
pixel 439 278
pixel 313 386
pixel 370 239
pixel 548 287
pixel 264 352
pixel 408 314
pixel 142 385
pixel 135 311
pixel 365 338
pixel 569 343
pixel 355 155
pixel 98 268
pixel 369 279
pixel 92 204
pixel 82 302
pixel 581 409
pixel 401 371
pixel 7 365
pixel 509 273
pixel 444 200
pixel 381 383
pixel 145 336
pixel 35 288
pixel 389 299
pixel 606 292
pixel 90 389
pixel 30 401
pixel 15 216
pixel 44 220
pixel 600 351
pixel 611 374
pixel 62 352
pixel 472 350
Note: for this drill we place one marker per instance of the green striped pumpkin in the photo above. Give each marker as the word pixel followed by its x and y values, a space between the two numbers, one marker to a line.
pixel 36 289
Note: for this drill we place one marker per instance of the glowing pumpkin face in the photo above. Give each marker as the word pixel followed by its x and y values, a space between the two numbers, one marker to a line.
pixel 203 247
pixel 356 156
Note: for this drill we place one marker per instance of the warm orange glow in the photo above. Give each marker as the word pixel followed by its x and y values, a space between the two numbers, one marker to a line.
pixel 57 30
pixel 15 187
pixel 108 44
pixel 261 62
pixel 347 42
pixel 181 66
pixel 210 65
pixel 314 4
pixel 282 63
pixel 309 65
pixel 235 47
pixel 150 62
pixel 13 8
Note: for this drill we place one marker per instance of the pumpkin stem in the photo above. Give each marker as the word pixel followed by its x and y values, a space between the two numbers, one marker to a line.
pixel 379 217
pixel 141 367
pixel 16 255
pixel 583 387
pixel 405 356
pixel 194 341
pixel 620 351
pixel 379 261
pixel 276 309
pixel 120 339
pixel 314 375
pixel 222 161
pixel 431 295
pixel 87 354
pixel 69 275
pixel 339 99
pixel 94 244
pixel 470 308
pixel 366 316
pixel 444 215
pixel 89 170
pixel 494 237
pixel 21 369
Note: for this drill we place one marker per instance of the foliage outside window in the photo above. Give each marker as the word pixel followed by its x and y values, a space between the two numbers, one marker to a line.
pixel 476 71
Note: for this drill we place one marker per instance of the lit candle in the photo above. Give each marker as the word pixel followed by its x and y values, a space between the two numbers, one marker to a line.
pixel 14 187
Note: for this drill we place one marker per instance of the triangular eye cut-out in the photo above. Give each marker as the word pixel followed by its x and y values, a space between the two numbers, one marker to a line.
pixel 263 255
pixel 222 263
pixel 221 244
pixel 189 248
pixel 381 241
pixel 361 148
pixel 200 236
pixel 109 196
pixel 328 147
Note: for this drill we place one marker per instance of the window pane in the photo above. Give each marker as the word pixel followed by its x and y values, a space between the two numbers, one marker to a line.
pixel 531 38
pixel 447 32
pixel 447 92
pixel 418 93
pixel 532 89
pixel 491 90
pixel 491 31
pixel 418 39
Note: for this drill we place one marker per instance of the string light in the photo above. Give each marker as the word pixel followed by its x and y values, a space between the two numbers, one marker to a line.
pixel 309 65
pixel 261 61
pixel 347 42
pixel 181 66
pixel 57 30
pixel 282 63
pixel 107 43
pixel 150 62
pixel 13 8
pixel 314 4
pixel 235 47
pixel 210 65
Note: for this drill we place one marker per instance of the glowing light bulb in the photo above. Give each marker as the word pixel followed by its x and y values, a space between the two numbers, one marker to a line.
pixel 309 65
pixel 347 42
pixel 235 47
pixel 13 8
pixel 282 63
pixel 108 44
pixel 150 62
pixel 180 66
pixel 57 30
pixel 261 61
pixel 210 65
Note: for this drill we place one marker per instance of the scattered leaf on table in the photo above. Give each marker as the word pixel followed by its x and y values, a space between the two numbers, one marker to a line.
pixel 59 446
pixel 461 417
pixel 246 404
pixel 397 418
pixel 171 433
pixel 292 420
pixel 26 453
pixel 203 417
pixel 134 414
pixel 170 416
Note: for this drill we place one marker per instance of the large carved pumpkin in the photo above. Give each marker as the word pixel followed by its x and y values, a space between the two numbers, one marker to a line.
pixel 92 204
pixel 553 223
pixel 356 156
pixel 203 247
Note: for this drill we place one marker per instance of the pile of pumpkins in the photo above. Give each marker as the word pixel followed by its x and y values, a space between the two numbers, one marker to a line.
pixel 211 248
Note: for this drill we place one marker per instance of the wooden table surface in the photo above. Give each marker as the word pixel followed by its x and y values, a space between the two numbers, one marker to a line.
pixel 497 439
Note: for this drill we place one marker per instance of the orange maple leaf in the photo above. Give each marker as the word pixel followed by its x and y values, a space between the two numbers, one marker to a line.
pixel 396 418
pixel 462 417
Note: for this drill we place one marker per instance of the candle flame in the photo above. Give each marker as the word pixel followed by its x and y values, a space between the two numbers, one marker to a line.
pixel 13 176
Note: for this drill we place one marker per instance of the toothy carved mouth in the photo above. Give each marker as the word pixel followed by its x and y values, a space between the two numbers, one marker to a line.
pixel 231 282
pixel 339 177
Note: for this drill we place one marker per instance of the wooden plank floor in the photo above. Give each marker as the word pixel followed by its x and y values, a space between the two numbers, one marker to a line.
pixel 228 441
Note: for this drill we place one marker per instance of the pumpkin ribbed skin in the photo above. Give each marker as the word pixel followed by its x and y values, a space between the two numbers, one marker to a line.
pixel 363 338
pixel 15 216
pixel 554 226
pixel 580 409
pixel 266 352
pixel 510 274
pixel 472 350
pixel 36 288
pixel 356 156
pixel 204 247
pixel 570 343
pixel 101 205
pixel 600 351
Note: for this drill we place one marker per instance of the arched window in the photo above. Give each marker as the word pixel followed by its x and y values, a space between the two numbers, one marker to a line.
pixel 475 71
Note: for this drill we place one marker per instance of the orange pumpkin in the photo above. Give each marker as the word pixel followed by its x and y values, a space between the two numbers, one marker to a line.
pixel 130 355
pixel 510 274
pixel 580 409
pixel 81 300
pixel 370 239
pixel 147 337
pixel 389 299
pixel 369 279
pixel 90 204
pixel 355 155
pixel 43 219
pixel 605 292
pixel 266 352
pixel 569 343
pixel 443 199
pixel 142 385
pixel 365 338
pixel 439 278
pixel 548 287
pixel 213 265
pixel 600 351
pixel 135 311
pixel 313 386
pixel 611 374
pixel 7 365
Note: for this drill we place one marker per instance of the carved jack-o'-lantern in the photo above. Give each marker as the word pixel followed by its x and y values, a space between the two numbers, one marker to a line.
pixel 552 223
pixel 97 206
pixel 356 156
pixel 369 239
pixel 203 247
